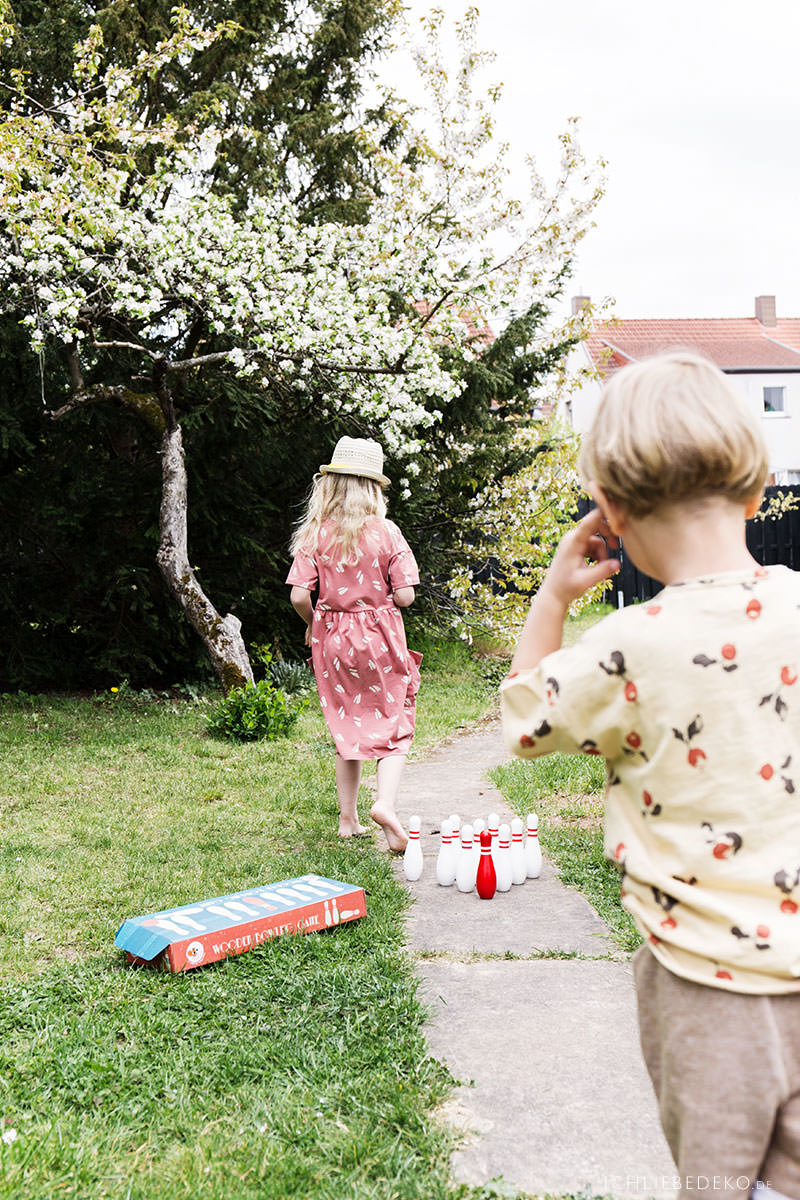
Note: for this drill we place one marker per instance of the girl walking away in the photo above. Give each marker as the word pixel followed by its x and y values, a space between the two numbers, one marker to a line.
pixel 367 677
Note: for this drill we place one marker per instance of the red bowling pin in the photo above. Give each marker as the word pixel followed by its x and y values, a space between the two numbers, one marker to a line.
pixel 486 879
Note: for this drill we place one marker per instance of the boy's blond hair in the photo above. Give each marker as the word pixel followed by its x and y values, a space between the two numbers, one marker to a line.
pixel 347 500
pixel 672 428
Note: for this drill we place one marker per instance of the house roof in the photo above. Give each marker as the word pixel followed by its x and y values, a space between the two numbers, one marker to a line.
pixel 479 334
pixel 734 344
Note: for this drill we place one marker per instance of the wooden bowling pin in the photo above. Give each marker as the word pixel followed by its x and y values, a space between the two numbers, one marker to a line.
pixel 486 878
pixel 447 859
pixel 518 869
pixel 465 869
pixel 412 857
pixel 493 825
pixel 502 864
pixel 533 851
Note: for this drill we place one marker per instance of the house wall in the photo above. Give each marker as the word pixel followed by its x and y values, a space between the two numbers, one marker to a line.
pixel 781 430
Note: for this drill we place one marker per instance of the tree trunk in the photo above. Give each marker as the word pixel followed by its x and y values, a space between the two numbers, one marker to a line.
pixel 220 635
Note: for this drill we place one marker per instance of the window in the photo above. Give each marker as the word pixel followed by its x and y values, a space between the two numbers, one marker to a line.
pixel 774 398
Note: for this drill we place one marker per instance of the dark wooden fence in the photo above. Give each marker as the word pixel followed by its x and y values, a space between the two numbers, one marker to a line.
pixel 775 540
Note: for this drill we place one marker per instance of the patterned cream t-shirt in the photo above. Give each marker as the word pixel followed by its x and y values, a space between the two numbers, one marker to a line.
pixel 693 699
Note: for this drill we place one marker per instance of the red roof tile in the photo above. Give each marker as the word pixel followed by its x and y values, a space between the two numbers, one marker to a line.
pixel 738 343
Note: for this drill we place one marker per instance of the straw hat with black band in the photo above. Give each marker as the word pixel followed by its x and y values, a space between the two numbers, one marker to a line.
pixel 357 456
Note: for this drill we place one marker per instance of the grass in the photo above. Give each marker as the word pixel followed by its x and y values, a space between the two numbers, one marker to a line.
pixel 566 791
pixel 297 1070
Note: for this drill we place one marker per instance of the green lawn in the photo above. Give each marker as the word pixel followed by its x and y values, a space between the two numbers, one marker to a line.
pixel 566 792
pixel 297 1070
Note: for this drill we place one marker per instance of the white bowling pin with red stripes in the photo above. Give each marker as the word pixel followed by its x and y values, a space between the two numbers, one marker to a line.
pixel 533 851
pixel 518 867
pixel 502 860
pixel 412 857
pixel 465 867
pixel 447 858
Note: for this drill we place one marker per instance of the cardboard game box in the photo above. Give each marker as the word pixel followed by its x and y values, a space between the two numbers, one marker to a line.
pixel 180 938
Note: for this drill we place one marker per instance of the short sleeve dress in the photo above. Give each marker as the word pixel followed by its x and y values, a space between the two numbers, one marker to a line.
pixel 366 676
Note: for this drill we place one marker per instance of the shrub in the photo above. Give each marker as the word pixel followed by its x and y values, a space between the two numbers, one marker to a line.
pixel 255 711
pixel 293 678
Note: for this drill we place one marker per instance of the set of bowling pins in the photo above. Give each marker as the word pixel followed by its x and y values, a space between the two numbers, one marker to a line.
pixel 485 856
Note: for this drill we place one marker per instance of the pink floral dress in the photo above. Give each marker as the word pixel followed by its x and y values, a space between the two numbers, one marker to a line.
pixel 367 677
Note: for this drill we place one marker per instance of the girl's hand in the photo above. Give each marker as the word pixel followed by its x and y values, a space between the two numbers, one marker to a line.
pixel 308 636
pixel 570 575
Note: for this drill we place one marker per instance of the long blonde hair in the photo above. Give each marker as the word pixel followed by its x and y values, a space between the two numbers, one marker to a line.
pixel 346 500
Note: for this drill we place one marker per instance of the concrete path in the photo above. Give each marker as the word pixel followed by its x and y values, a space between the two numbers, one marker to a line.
pixel 532 1010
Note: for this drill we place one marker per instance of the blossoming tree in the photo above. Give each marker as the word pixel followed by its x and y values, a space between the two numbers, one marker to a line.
pixel 104 261
pixel 148 280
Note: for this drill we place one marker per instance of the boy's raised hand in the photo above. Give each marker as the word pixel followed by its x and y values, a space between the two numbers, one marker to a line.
pixel 570 575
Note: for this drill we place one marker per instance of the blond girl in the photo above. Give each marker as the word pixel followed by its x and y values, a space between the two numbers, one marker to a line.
pixel 365 573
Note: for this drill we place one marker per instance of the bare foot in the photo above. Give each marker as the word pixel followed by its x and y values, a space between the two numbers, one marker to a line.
pixel 349 829
pixel 386 817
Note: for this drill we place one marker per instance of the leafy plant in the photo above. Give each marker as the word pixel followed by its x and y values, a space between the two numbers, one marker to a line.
pixel 293 678
pixel 255 711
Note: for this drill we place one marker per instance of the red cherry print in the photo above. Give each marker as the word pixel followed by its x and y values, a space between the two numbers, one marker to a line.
pixel 526 740
pixel 512 675
pixel 753 609
pixel 634 740
pixel 630 690
pixel 788 906
pixel 669 923
pixel 619 850
pixel 766 771
pixel 648 799
pixel 653 610
pixel 655 940
pixel 724 975
pixel 787 677
pixel 695 756
pixel 761 572
pixel 721 850
pixel 762 931
pixel 728 651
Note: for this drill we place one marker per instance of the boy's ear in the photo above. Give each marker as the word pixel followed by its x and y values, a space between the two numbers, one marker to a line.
pixel 753 505
pixel 612 510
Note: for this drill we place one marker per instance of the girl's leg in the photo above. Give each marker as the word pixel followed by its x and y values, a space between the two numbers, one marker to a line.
pixel 383 811
pixel 348 777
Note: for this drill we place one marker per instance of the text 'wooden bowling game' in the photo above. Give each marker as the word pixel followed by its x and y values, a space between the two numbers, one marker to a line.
pixel 178 939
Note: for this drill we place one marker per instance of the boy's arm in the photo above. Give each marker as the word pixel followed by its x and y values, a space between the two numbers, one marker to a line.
pixel 567 578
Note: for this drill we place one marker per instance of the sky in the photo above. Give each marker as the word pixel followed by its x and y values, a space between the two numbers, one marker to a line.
pixel 695 106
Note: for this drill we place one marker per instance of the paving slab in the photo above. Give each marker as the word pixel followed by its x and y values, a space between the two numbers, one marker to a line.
pixel 553 1095
pixel 532 1009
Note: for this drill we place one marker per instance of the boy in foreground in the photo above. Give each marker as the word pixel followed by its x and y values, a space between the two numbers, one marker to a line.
pixel 693 699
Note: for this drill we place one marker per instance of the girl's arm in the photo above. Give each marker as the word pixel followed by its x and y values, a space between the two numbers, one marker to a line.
pixel 301 603
pixel 403 596
pixel 568 577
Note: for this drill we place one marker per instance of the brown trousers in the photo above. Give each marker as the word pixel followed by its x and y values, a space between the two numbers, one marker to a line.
pixel 726 1072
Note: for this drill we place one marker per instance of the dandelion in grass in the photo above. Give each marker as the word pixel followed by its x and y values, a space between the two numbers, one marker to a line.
pixel 9 1136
